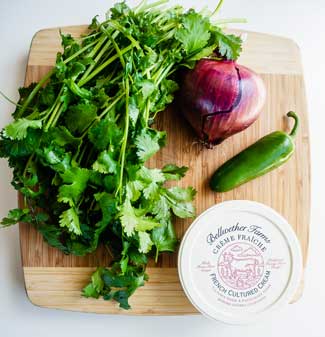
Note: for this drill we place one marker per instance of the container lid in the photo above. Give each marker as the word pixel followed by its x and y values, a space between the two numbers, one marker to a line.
pixel 238 261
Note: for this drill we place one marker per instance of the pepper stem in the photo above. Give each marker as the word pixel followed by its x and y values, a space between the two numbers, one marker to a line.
pixel 295 127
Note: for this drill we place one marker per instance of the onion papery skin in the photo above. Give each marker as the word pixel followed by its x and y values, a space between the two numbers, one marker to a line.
pixel 220 98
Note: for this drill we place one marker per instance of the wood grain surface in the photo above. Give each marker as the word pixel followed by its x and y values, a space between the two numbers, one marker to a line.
pixel 54 280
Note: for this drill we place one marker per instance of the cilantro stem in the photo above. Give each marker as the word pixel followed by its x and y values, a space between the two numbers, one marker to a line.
pixel 9 100
pixel 51 112
pixel 118 50
pixel 147 71
pixel 35 115
pixel 80 51
pixel 111 106
pixel 167 36
pixel 158 17
pixel 161 15
pixel 97 47
pixel 217 8
pixel 57 115
pixel 31 157
pixel 125 138
pixel 156 255
pixel 162 73
pixel 104 65
pixel 93 202
pixel 138 8
pixel 53 115
pixel 128 36
pixel 81 155
pixel 33 93
pixel 44 113
pixel 97 58
pixel 230 20
pixel 169 26
pixel 86 37
pixel 147 112
pixel 154 4
pixel 90 153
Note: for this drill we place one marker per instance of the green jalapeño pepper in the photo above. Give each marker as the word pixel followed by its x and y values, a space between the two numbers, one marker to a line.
pixel 266 154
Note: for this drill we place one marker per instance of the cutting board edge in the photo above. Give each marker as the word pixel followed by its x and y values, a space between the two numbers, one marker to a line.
pixel 42 298
pixel 53 290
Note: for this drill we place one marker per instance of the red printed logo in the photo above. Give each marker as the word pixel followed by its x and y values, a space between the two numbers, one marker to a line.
pixel 241 266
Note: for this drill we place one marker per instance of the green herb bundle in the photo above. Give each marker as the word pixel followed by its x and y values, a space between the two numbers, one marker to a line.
pixel 81 136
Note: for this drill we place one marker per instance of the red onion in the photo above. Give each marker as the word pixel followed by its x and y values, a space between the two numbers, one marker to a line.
pixel 220 98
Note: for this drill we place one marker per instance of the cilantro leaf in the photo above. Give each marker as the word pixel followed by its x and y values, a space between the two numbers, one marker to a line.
pixel 137 258
pixel 75 70
pixel 182 194
pixel 107 203
pixel 147 87
pixel 90 291
pixel 105 133
pixel 52 235
pixel 97 280
pixel 203 53
pixel 48 95
pixel 80 116
pixel 56 158
pixel 75 180
pixel 76 90
pixel 194 32
pixel 105 163
pixel 148 176
pixel 132 222
pixel 121 296
pixel 164 238
pixel 151 191
pixel 180 201
pixel 149 180
pixel 183 210
pixel 96 286
pixel 15 216
pixel 229 45
pixel 161 209
pixel 62 136
pixel 174 172
pixel 149 142
pixel 133 190
pixel 70 220
pixel 128 218
pixel 133 111
pixel 18 128
pixel 15 149
pixel 112 285
pixel 146 224
pixel 118 10
pixel 124 264
pixel 94 23
pixel 145 242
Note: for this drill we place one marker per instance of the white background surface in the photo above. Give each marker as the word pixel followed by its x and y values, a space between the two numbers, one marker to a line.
pixel 304 21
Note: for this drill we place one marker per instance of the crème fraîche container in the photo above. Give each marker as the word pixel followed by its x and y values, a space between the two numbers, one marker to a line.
pixel 238 261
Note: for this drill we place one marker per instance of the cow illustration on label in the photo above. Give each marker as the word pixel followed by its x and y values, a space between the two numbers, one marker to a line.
pixel 241 266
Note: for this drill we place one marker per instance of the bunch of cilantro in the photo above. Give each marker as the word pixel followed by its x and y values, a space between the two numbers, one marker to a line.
pixel 81 136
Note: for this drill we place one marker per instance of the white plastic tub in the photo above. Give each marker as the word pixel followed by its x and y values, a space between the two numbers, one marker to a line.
pixel 238 261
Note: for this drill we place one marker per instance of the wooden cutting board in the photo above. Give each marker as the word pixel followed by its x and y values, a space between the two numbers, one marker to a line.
pixel 54 280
